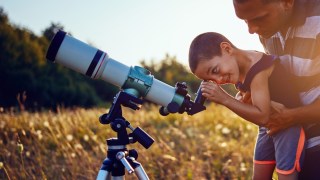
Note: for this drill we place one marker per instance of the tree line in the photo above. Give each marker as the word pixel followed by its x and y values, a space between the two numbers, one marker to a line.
pixel 28 79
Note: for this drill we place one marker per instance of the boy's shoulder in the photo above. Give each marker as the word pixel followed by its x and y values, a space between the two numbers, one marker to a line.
pixel 264 63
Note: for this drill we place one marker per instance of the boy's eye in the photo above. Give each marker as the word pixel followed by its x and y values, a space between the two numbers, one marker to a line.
pixel 215 70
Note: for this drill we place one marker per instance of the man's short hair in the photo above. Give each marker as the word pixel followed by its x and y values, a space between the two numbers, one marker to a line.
pixel 263 1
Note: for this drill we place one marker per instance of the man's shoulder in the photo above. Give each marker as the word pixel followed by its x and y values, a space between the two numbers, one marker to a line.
pixel 310 7
pixel 303 9
pixel 301 2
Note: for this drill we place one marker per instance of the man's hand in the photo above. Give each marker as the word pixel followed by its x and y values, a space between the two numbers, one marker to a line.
pixel 280 118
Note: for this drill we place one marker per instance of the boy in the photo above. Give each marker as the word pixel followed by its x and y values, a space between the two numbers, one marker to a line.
pixel 213 58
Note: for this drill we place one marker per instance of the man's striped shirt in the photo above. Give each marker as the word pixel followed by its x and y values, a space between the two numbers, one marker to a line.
pixel 299 49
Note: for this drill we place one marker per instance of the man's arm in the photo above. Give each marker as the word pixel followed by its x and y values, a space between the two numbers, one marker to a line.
pixel 285 118
pixel 307 114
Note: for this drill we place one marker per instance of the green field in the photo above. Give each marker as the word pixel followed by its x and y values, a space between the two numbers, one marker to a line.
pixel 70 144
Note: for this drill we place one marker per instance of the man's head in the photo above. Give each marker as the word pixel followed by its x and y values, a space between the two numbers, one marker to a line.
pixel 265 17
pixel 211 58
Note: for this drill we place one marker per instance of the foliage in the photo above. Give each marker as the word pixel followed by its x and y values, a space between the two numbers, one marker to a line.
pixel 70 144
pixel 23 69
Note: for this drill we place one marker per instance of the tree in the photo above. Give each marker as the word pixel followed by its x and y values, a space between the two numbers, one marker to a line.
pixel 24 69
pixel 49 32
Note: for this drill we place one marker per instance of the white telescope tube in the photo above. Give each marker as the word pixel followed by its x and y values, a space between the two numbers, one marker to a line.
pixel 95 63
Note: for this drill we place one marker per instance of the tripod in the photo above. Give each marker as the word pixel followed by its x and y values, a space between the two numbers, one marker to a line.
pixel 119 157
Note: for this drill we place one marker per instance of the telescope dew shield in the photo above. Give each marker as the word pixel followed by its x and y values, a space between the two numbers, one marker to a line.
pixel 85 59
pixel 88 60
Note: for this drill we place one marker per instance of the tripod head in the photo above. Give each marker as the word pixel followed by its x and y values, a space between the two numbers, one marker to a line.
pixel 119 124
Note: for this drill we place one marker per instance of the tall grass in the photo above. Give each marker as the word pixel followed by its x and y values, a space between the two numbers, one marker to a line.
pixel 214 144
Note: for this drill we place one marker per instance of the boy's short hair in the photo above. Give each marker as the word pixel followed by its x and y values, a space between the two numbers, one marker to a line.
pixel 204 47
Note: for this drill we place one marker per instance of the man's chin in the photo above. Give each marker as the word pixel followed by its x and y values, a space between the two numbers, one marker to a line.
pixel 266 35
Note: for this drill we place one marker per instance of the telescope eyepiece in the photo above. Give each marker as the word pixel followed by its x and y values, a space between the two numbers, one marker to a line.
pixel 199 98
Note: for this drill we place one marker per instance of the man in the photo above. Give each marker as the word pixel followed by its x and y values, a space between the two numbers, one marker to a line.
pixel 291 30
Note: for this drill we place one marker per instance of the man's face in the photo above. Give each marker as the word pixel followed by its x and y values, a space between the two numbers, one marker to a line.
pixel 262 18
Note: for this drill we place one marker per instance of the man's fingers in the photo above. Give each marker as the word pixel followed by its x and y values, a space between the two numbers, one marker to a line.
pixel 274 131
pixel 275 118
pixel 277 107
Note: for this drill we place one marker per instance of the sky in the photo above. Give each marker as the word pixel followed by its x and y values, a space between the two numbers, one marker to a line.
pixel 131 31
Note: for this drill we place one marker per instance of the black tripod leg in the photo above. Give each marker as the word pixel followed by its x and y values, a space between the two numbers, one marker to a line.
pixel 105 170
pixel 111 170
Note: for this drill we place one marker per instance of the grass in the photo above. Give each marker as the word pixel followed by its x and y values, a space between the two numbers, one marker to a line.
pixel 214 144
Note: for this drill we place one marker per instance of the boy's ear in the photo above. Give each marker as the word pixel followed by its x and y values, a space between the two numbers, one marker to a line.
pixel 225 47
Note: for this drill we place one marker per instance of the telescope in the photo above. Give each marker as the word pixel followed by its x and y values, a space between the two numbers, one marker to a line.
pixel 136 84
pixel 136 81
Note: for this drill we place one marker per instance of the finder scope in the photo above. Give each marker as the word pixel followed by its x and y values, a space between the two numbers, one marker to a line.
pixel 137 81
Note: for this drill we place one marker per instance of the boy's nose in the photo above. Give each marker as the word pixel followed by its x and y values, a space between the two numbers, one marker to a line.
pixel 219 79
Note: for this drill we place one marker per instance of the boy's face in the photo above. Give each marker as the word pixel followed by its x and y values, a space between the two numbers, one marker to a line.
pixel 221 69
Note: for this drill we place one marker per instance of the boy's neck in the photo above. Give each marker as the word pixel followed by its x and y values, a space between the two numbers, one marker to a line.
pixel 247 58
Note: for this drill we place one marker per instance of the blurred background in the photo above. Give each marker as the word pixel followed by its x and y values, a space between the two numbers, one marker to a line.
pixel 155 35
